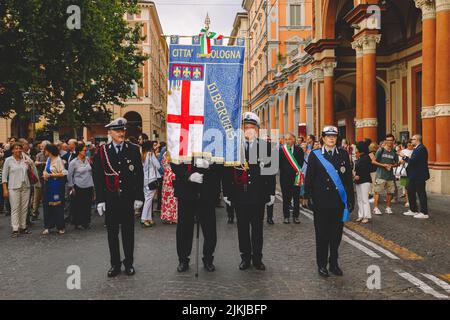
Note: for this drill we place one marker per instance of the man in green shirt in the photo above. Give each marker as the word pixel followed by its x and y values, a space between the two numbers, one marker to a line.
pixel 385 159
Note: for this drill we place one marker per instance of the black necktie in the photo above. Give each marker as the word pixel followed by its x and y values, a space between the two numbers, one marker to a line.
pixel 118 149
pixel 330 153
pixel 247 148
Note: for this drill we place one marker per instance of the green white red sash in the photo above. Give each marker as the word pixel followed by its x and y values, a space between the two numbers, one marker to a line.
pixel 299 179
pixel 205 41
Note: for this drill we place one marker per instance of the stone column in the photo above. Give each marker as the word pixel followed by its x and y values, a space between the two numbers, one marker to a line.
pixel 369 114
pixel 280 112
pixel 272 106
pixel 302 116
pixel 290 107
pixel 328 87
pixel 442 110
pixel 358 46
pixel 428 75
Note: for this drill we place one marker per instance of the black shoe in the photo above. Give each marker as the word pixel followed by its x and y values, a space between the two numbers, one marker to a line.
pixel 114 272
pixel 296 220
pixel 245 264
pixel 183 267
pixel 286 221
pixel 230 220
pixel 209 266
pixel 270 221
pixel 259 266
pixel 336 271
pixel 323 272
pixel 129 271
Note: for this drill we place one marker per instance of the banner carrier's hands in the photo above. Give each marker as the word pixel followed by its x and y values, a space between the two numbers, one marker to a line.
pixel 138 204
pixel 101 208
pixel 196 178
pixel 201 163
pixel 227 202
pixel 271 202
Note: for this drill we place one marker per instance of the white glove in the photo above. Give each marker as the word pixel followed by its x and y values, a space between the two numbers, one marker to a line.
pixel 201 163
pixel 101 208
pixel 271 202
pixel 196 178
pixel 138 204
pixel 227 202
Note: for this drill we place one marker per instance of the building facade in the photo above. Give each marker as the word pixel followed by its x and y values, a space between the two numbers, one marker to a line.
pixel 370 67
pixel 240 30
pixel 279 31
pixel 146 109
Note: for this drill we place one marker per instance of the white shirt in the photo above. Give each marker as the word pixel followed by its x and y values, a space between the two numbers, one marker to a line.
pixel 327 149
pixel 15 173
pixel 118 144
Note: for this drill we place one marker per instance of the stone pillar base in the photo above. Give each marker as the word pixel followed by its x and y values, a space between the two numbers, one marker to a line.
pixel 438 182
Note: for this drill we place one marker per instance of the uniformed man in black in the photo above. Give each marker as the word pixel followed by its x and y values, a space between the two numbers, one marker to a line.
pixel 327 204
pixel 249 188
pixel 197 187
pixel 119 186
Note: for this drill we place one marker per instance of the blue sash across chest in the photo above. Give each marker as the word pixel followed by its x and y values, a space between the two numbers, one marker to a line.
pixel 331 171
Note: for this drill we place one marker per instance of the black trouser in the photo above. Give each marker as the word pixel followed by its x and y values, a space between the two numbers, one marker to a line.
pixel 187 209
pixel 290 191
pixel 127 230
pixel 269 212
pixel 328 226
pixel 417 186
pixel 250 241
pixel 81 205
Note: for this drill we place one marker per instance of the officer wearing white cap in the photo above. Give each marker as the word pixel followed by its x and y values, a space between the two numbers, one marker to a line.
pixel 119 180
pixel 248 189
pixel 329 186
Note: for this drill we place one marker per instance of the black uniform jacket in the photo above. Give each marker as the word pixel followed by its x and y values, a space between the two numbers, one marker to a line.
pixel 259 186
pixel 207 192
pixel 119 204
pixel 320 188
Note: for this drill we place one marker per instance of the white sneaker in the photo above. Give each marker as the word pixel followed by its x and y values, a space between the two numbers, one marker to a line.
pixel 421 216
pixel 409 213
pixel 377 211
pixel 388 210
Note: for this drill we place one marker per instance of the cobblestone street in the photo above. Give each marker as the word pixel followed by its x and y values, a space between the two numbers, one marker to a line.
pixel 412 257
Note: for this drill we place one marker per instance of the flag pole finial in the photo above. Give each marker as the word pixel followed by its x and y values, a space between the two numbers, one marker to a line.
pixel 207 22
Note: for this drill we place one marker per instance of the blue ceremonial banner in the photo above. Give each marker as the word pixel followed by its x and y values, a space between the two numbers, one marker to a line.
pixel 204 112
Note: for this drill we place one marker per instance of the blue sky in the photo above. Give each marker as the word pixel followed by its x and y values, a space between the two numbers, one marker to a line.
pixel 186 17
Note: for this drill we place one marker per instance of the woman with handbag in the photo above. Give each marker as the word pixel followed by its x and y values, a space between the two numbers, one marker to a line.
pixel 54 190
pixel 17 178
pixel 151 175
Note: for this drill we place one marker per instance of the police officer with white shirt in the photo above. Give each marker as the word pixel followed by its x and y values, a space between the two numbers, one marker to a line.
pixel 329 186
pixel 249 188
pixel 118 178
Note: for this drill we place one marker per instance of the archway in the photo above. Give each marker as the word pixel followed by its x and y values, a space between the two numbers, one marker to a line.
pixel 134 124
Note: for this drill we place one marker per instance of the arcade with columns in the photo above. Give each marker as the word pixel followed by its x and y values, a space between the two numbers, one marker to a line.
pixel 381 67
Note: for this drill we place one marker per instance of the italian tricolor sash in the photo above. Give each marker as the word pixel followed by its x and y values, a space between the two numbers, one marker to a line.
pixel 299 179
pixel 205 41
